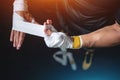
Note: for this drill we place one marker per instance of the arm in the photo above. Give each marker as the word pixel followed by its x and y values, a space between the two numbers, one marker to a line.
pixel 105 37
pixel 21 9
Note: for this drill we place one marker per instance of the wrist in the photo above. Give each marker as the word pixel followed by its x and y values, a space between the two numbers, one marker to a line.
pixel 77 42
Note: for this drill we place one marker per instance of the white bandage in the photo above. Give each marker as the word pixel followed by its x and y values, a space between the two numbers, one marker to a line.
pixel 58 40
pixel 19 24
pixel 20 5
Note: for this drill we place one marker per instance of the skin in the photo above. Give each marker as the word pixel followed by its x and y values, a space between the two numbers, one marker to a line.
pixel 104 37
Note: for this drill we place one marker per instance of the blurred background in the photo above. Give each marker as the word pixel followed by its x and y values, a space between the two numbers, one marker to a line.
pixel 34 60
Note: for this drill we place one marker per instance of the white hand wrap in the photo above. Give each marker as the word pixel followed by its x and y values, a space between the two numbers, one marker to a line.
pixel 20 24
pixel 58 40
pixel 20 5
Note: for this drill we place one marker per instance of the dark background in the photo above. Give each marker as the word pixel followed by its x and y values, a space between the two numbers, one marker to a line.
pixel 34 60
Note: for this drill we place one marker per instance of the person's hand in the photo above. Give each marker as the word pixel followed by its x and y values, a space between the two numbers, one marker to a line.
pixel 17 38
pixel 55 39
pixel 48 30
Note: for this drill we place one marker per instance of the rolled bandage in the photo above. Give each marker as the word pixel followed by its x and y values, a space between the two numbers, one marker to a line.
pixel 20 5
pixel 77 42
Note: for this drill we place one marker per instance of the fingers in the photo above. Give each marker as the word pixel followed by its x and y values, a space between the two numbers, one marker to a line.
pixel 45 23
pixel 14 39
pixel 20 40
pixel 47 30
pixel 17 38
pixel 11 35
pixel 49 22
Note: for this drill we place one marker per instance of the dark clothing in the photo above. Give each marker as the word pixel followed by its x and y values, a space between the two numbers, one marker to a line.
pixel 83 16
pixel 77 17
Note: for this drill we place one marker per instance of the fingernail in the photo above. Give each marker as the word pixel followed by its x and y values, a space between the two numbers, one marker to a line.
pixel 13 45
pixel 18 47
pixel 10 40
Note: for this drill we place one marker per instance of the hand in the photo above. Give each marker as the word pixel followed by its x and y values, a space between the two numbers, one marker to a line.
pixel 48 30
pixel 55 39
pixel 17 38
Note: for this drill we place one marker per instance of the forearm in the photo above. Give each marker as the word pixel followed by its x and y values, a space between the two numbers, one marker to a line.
pixel 27 16
pixel 105 37
pixel 21 8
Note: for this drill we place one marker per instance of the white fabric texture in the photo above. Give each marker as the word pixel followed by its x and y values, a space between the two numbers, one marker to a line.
pixel 20 5
pixel 19 24
pixel 58 40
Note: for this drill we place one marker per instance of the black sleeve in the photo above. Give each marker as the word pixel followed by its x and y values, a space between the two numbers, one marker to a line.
pixel 117 17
